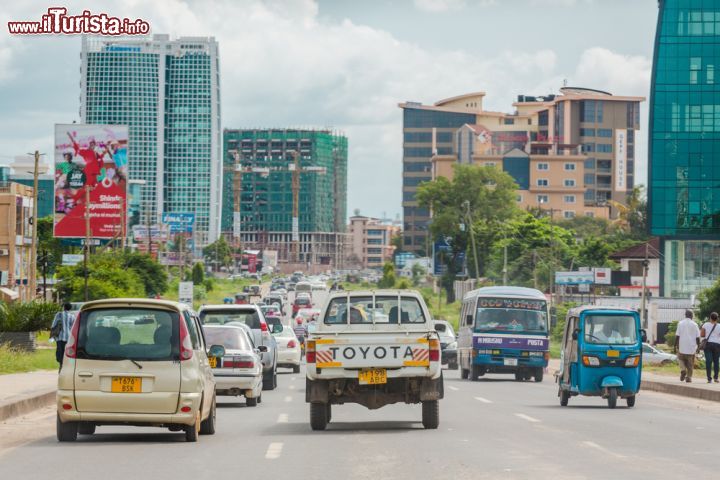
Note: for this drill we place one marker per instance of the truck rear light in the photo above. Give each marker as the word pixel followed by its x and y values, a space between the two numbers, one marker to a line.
pixel 71 346
pixel 434 345
pixel 186 350
pixel 185 409
pixel 310 351
pixel 67 406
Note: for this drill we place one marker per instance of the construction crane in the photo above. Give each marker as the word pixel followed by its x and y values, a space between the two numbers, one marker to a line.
pixel 296 171
pixel 237 169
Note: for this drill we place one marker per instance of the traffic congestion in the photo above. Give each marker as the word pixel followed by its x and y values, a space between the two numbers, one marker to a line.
pixel 158 363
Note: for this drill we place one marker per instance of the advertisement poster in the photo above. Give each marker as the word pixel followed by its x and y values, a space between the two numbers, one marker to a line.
pixel 90 157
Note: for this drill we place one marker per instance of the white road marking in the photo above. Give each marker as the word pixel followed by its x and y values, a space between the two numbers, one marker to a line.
pixel 292 378
pixel 283 418
pixel 527 417
pixel 455 389
pixel 288 398
pixel 594 445
pixel 483 400
pixel 292 387
pixel 274 450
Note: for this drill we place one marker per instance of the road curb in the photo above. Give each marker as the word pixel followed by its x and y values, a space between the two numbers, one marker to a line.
pixel 684 390
pixel 27 404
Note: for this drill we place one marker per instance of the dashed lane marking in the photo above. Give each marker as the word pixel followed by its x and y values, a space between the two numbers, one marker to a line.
pixel 274 450
pixel 454 389
pixel 483 400
pixel 288 399
pixel 282 418
pixel 527 417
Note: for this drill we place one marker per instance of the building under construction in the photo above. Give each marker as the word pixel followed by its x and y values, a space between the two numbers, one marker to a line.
pixel 274 175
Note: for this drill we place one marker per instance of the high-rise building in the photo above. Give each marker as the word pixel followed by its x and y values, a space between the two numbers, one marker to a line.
pixel 569 153
pixel 168 92
pixel 15 242
pixel 371 241
pixel 684 145
pixel 258 179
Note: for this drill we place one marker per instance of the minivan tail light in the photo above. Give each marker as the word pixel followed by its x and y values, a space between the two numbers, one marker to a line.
pixel 186 350
pixel 263 326
pixel 71 346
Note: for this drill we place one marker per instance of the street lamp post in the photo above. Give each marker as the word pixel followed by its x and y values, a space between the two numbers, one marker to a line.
pixel 468 219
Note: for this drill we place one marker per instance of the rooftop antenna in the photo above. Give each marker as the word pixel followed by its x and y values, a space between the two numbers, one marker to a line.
pixel 564 82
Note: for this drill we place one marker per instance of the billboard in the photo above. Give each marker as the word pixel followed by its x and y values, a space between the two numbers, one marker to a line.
pixel 179 222
pixel 574 278
pixel 94 158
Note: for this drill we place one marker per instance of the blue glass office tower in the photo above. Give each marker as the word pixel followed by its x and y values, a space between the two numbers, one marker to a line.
pixel 168 92
pixel 684 160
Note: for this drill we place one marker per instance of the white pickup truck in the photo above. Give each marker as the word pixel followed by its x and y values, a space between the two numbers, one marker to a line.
pixel 374 348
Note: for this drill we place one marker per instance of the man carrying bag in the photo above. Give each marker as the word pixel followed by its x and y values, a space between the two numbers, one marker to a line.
pixel 60 331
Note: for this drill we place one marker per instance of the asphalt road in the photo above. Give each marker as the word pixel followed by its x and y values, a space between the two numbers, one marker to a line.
pixel 494 428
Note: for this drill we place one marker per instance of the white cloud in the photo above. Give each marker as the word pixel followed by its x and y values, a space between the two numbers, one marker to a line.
pixel 284 65
pixel 439 5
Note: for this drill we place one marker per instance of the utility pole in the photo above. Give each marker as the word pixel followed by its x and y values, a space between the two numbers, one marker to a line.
pixel 466 204
pixel 646 264
pixel 86 252
pixel 33 251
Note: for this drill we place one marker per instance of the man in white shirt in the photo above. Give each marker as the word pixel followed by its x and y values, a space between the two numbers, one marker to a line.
pixel 687 339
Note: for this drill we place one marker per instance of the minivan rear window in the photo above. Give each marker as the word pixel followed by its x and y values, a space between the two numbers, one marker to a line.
pixel 128 333
pixel 221 317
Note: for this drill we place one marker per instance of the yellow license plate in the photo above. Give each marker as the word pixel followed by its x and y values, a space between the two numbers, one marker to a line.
pixel 126 385
pixel 613 353
pixel 376 376
pixel 213 362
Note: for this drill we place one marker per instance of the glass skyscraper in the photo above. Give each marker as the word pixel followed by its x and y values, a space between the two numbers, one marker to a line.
pixel 168 92
pixel 684 160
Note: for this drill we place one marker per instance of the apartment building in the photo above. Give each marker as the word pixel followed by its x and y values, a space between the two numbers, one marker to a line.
pixel 15 241
pixel 371 241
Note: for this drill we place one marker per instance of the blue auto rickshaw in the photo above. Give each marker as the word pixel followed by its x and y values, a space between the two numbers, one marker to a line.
pixel 601 354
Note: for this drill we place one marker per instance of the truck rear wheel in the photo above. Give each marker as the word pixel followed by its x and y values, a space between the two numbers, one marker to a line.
pixel 319 416
pixel 431 414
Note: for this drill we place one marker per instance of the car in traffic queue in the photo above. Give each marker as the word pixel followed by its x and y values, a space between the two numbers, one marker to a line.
pixel 289 353
pixel 303 286
pixel 252 316
pixel 448 343
pixel 307 314
pixel 239 371
pixel 654 356
pixel 272 310
pixel 374 348
pixel 301 303
pixel 136 362
pixel 275 299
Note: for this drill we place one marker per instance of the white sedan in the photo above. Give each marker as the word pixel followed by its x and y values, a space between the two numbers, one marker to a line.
pixel 239 372
pixel 653 356
pixel 288 348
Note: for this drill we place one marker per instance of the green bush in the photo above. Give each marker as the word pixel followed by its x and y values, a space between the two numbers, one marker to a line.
pixel 561 311
pixel 403 284
pixel 27 317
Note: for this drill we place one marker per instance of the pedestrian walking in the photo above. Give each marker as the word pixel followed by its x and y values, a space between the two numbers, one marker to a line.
pixel 60 331
pixel 687 339
pixel 711 345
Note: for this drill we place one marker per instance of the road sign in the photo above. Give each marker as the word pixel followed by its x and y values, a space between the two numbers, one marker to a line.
pixel 71 259
pixel 603 276
pixel 185 292
pixel 574 278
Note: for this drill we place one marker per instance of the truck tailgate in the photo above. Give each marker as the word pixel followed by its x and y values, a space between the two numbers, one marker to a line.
pixel 368 350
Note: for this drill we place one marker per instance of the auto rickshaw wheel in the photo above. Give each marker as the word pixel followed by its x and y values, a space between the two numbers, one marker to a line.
pixel 564 398
pixel 612 397
pixel 630 401
pixel 539 375
pixel 519 376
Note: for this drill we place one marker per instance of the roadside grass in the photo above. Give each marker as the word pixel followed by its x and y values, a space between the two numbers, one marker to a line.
pixel 17 361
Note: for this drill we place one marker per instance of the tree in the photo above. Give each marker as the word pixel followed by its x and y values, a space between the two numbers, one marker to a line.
pixel 218 252
pixel 388 278
pixel 489 194
pixel 709 301
pixel 536 249
pixel 198 273
pixel 594 252
pixel 632 215
pixel 586 227
pixel 149 270
pixel 50 249
pixel 397 242
pixel 108 277
pixel 418 271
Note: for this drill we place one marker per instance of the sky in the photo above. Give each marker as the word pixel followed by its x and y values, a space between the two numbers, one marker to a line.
pixel 347 64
